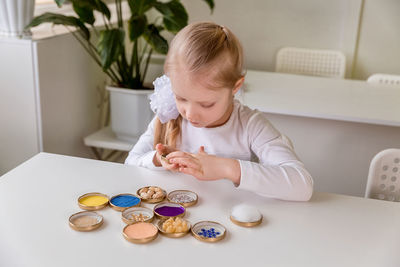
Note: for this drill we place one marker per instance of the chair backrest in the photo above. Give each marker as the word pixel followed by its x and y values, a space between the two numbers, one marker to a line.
pixel 326 63
pixel 384 176
pixel 386 79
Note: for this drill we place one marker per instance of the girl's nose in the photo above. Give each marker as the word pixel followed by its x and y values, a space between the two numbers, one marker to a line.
pixel 191 114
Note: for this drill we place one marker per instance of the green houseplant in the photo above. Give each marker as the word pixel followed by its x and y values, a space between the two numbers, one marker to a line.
pixel 126 64
pixel 126 69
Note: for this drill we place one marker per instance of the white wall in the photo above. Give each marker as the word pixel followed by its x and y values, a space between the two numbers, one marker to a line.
pixel 19 136
pixel 70 85
pixel 264 26
pixel 379 49
pixel 49 98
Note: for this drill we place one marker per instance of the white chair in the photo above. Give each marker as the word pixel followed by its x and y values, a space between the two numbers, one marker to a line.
pixel 384 176
pixel 385 79
pixel 326 63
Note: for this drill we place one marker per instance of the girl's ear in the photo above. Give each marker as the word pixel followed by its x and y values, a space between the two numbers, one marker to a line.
pixel 238 85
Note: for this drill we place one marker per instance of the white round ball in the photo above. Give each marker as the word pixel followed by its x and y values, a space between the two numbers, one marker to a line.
pixel 245 213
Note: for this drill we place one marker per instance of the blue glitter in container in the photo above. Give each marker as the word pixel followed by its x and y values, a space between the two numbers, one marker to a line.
pixel 125 201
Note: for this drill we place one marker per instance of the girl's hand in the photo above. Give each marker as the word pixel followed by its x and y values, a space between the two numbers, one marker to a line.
pixel 160 157
pixel 206 167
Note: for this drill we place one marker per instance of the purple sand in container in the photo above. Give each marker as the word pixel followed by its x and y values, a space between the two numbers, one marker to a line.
pixel 170 211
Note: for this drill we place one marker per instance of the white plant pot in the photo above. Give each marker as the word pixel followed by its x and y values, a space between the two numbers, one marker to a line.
pixel 130 112
pixel 14 16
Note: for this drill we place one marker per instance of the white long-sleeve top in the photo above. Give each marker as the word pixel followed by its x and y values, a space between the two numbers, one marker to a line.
pixel 268 164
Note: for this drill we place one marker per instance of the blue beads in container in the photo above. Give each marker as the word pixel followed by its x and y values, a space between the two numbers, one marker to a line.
pixel 211 233
pixel 208 231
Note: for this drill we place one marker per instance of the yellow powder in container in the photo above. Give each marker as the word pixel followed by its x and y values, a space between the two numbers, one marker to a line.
pixel 93 201
pixel 140 230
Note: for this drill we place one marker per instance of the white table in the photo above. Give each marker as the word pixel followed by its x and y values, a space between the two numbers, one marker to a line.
pixel 38 196
pixel 325 98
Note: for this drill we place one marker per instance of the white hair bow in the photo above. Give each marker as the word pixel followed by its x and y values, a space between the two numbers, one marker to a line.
pixel 162 101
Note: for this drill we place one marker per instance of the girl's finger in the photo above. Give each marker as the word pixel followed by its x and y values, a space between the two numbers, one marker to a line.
pixel 169 166
pixel 186 162
pixel 159 146
pixel 196 173
pixel 160 149
pixel 177 154
pixel 173 167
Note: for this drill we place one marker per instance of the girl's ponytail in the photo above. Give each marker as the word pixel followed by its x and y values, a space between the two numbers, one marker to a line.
pixel 167 133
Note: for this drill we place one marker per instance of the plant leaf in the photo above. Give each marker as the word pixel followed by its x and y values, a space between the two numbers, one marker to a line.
pixel 163 9
pixel 139 7
pixel 85 8
pixel 61 20
pixel 84 11
pixel 156 41
pixel 175 15
pixel 110 46
pixel 59 2
pixel 103 8
pixel 210 3
pixel 137 26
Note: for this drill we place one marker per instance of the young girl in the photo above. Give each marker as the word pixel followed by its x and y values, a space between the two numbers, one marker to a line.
pixel 201 130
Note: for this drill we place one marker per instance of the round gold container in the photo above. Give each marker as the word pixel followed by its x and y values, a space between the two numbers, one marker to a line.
pixel 175 193
pixel 167 204
pixel 98 207
pixel 246 224
pixel 119 208
pixel 198 227
pixel 152 200
pixel 141 240
pixel 85 227
pixel 174 235
pixel 164 158
pixel 128 218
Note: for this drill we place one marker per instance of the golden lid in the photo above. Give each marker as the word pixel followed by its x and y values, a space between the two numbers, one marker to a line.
pixel 208 231
pixel 245 215
pixel 93 201
pixel 137 214
pixel 140 233
pixel 166 210
pixel 246 224
pixel 124 201
pixel 173 234
pixel 151 194
pixel 85 221
pixel 184 197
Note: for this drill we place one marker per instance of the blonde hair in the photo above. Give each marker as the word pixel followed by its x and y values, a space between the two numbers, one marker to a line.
pixel 199 46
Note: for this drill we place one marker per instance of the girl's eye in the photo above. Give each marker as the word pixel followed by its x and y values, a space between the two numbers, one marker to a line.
pixel 180 99
pixel 208 106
